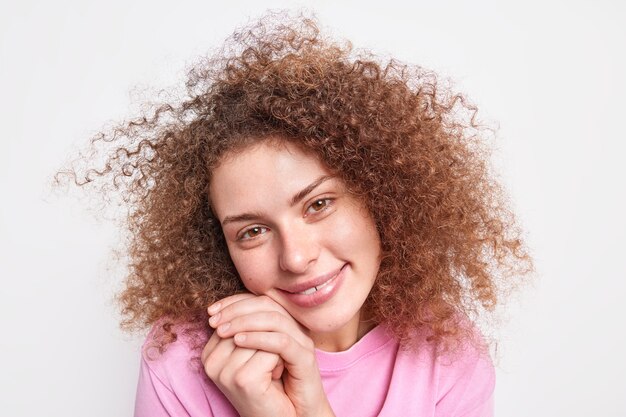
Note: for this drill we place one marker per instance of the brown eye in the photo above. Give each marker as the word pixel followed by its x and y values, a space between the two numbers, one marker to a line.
pixel 318 205
pixel 253 232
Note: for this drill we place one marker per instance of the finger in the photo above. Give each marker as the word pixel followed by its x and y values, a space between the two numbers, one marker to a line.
pixel 269 321
pixel 257 371
pixel 215 359
pixel 233 363
pixel 214 308
pixel 298 360
pixel 210 345
pixel 277 373
pixel 246 305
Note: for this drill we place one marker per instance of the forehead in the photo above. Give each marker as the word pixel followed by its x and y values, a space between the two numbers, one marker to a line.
pixel 260 173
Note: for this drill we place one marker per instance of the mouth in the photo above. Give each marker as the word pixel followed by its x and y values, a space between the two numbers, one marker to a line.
pixel 316 291
pixel 316 288
pixel 314 285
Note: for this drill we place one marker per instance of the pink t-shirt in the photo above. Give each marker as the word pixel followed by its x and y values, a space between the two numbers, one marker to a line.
pixel 372 378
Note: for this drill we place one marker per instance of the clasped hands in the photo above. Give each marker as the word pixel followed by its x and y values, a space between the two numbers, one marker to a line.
pixel 262 360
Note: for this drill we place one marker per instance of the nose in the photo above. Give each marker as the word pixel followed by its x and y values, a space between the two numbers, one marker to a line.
pixel 299 249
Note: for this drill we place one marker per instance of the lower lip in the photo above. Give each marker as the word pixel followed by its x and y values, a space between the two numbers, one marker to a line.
pixel 320 296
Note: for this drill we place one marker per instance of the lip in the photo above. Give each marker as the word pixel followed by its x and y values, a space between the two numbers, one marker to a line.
pixel 331 283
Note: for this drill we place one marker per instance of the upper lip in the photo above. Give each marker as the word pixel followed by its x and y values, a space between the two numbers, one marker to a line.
pixel 319 280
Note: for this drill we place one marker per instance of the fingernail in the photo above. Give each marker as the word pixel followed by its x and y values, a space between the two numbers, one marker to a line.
pixel 215 319
pixel 240 337
pixel 223 327
pixel 214 308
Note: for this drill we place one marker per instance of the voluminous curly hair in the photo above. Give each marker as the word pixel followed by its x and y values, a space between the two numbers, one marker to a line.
pixel 406 146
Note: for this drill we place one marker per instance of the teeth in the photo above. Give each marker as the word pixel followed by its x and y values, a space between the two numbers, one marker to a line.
pixel 315 289
pixel 309 291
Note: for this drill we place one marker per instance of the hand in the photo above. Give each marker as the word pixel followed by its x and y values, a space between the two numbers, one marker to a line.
pixel 259 325
pixel 242 375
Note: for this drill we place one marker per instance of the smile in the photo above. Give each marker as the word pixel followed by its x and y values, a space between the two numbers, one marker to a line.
pixel 318 291
pixel 317 287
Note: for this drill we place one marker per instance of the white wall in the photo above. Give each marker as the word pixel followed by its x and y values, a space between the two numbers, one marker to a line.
pixel 550 72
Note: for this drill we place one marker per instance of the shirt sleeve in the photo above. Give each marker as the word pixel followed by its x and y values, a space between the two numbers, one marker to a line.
pixel 154 397
pixel 467 387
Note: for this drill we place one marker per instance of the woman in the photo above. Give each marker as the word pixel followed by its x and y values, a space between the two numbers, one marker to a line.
pixel 313 234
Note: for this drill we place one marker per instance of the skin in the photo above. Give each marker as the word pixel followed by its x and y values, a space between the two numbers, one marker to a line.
pixel 287 222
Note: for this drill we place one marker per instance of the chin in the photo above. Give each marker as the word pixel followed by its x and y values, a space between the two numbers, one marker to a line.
pixel 319 325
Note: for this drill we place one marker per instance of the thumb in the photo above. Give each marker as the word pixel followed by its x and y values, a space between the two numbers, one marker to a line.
pixel 277 372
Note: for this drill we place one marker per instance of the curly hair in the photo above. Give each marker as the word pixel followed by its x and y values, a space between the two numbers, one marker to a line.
pixel 409 148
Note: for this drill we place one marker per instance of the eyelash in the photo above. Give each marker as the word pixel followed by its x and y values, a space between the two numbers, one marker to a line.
pixel 242 236
pixel 327 205
pixel 262 229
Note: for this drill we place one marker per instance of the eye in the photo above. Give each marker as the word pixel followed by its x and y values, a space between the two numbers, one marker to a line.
pixel 252 232
pixel 319 205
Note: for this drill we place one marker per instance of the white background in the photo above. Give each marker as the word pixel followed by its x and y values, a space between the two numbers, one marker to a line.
pixel 551 73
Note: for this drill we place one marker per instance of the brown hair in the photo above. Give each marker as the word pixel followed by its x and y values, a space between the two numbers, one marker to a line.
pixel 406 146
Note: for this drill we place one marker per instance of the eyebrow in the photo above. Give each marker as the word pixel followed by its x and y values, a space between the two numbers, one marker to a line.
pixel 306 190
pixel 294 200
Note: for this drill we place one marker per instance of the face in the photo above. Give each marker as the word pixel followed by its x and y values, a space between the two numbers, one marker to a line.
pixel 296 235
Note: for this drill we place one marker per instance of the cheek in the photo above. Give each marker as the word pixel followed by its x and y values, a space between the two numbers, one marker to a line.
pixel 357 232
pixel 254 270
